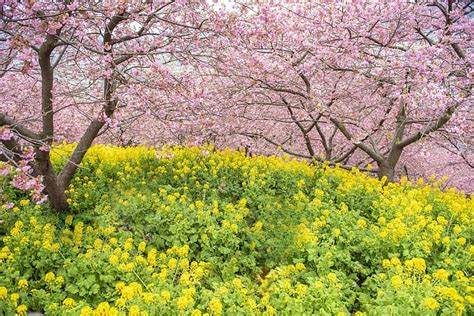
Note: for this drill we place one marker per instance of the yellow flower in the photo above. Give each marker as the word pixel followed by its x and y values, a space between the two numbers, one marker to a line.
pixel 457 229
pixel 103 308
pixel 183 251
pixel 53 306
pixel 120 302
pixel 69 219
pixel 22 284
pixel 215 306
pixel 97 244
pixel 49 277
pixel 142 246
pixel 185 278
pixel 119 285
pixel 134 310
pixel 361 223
pixel 184 263
pixel 166 295
pixel 270 310
pixel 148 297
pixel 461 241
pixel 301 290
pixel 332 277
pixel 59 279
pixel 196 312
pixel 445 240
pixel 395 261
pixel 396 281
pixel 128 244
pixel 86 311
pixel 172 263
pixel 418 264
pixel 431 303
pixel 299 266
pixel 22 309
pixel 69 302
pixel 114 260
pixel 237 283
pixel 441 274
pixel 3 293
pixel 15 297
pixel 461 277
pixel 128 292
pixel 183 302
pixel 382 220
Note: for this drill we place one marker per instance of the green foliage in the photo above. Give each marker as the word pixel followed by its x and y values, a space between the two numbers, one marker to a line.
pixel 198 231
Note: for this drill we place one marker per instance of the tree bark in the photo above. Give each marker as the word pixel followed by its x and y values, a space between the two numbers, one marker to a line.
pixel 386 169
pixel 56 196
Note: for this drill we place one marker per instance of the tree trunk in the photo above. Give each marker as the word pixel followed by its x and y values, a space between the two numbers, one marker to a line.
pixel 386 169
pixel 56 196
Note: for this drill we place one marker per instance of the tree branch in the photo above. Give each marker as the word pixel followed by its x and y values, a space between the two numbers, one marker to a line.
pixel 437 124
pixel 17 128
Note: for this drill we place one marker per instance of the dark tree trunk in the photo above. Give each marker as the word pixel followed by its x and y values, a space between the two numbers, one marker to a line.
pixel 386 169
pixel 55 190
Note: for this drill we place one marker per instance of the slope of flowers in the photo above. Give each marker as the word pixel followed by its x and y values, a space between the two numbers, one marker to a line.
pixel 195 231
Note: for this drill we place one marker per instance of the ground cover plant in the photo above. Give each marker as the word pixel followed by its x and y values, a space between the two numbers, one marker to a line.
pixel 196 231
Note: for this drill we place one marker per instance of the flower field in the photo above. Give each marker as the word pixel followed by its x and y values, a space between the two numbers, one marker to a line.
pixel 197 231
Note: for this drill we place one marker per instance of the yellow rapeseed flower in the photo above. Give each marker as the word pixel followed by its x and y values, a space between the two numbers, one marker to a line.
pixel 431 303
pixel 215 306
pixel 22 284
pixel 299 266
pixel 86 311
pixel 134 310
pixel 396 281
pixel 361 223
pixel 461 241
pixel 196 312
pixel 49 277
pixel 69 219
pixel 142 246
pixel 3 293
pixel 22 309
pixel 441 274
pixel 395 261
pixel 183 302
pixel 166 295
pixel 172 263
pixel 237 283
pixel 332 277
pixel 457 229
pixel 69 302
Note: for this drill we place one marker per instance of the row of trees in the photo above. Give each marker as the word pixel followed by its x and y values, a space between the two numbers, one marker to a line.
pixel 350 83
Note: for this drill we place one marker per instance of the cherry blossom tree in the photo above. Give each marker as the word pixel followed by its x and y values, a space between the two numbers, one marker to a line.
pixel 350 83
pixel 70 68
